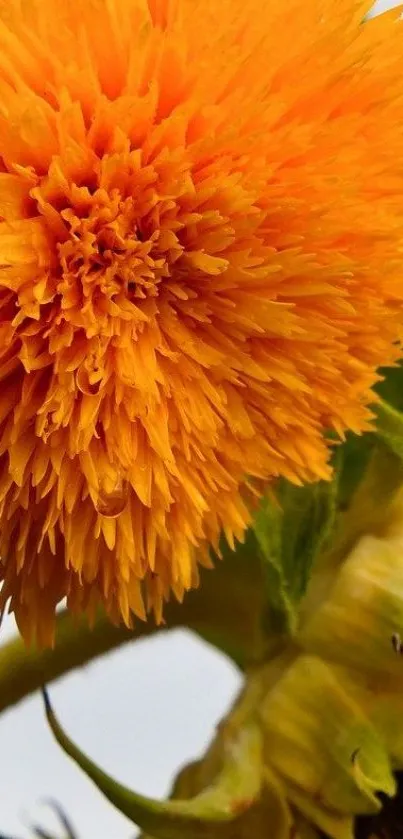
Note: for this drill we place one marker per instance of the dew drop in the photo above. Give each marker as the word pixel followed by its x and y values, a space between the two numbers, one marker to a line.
pixel 112 504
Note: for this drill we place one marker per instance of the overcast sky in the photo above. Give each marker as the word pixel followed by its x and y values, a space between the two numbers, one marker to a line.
pixel 141 712
pixel 381 5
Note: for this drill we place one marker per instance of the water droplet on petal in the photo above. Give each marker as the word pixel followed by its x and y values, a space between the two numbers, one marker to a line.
pixel 112 504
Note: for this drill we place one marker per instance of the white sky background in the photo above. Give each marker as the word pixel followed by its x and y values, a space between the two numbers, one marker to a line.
pixel 381 5
pixel 141 713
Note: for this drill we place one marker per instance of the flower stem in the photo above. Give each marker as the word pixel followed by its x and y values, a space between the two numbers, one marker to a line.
pixel 225 611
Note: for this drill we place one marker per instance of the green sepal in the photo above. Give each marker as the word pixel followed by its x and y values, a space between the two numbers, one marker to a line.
pixel 334 825
pixel 291 530
pixel 390 427
pixel 270 811
pixel 353 460
pixel 390 388
pixel 323 744
pixel 281 614
pixel 207 815
pixel 389 409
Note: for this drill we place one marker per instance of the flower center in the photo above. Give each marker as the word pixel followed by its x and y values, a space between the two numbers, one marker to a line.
pixel 105 260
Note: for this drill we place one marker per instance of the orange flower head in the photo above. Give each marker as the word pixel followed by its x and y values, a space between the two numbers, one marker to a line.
pixel 200 273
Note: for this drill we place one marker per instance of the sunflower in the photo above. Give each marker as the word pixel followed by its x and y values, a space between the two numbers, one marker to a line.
pixel 200 274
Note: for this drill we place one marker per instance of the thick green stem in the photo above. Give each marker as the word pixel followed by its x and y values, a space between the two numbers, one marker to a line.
pixel 225 611
pixel 23 670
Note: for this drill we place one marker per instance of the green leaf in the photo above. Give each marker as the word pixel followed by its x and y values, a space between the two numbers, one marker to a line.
pixel 290 531
pixel 389 410
pixel 390 427
pixel 211 814
pixel 281 616
pixel 390 389
pixel 353 460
